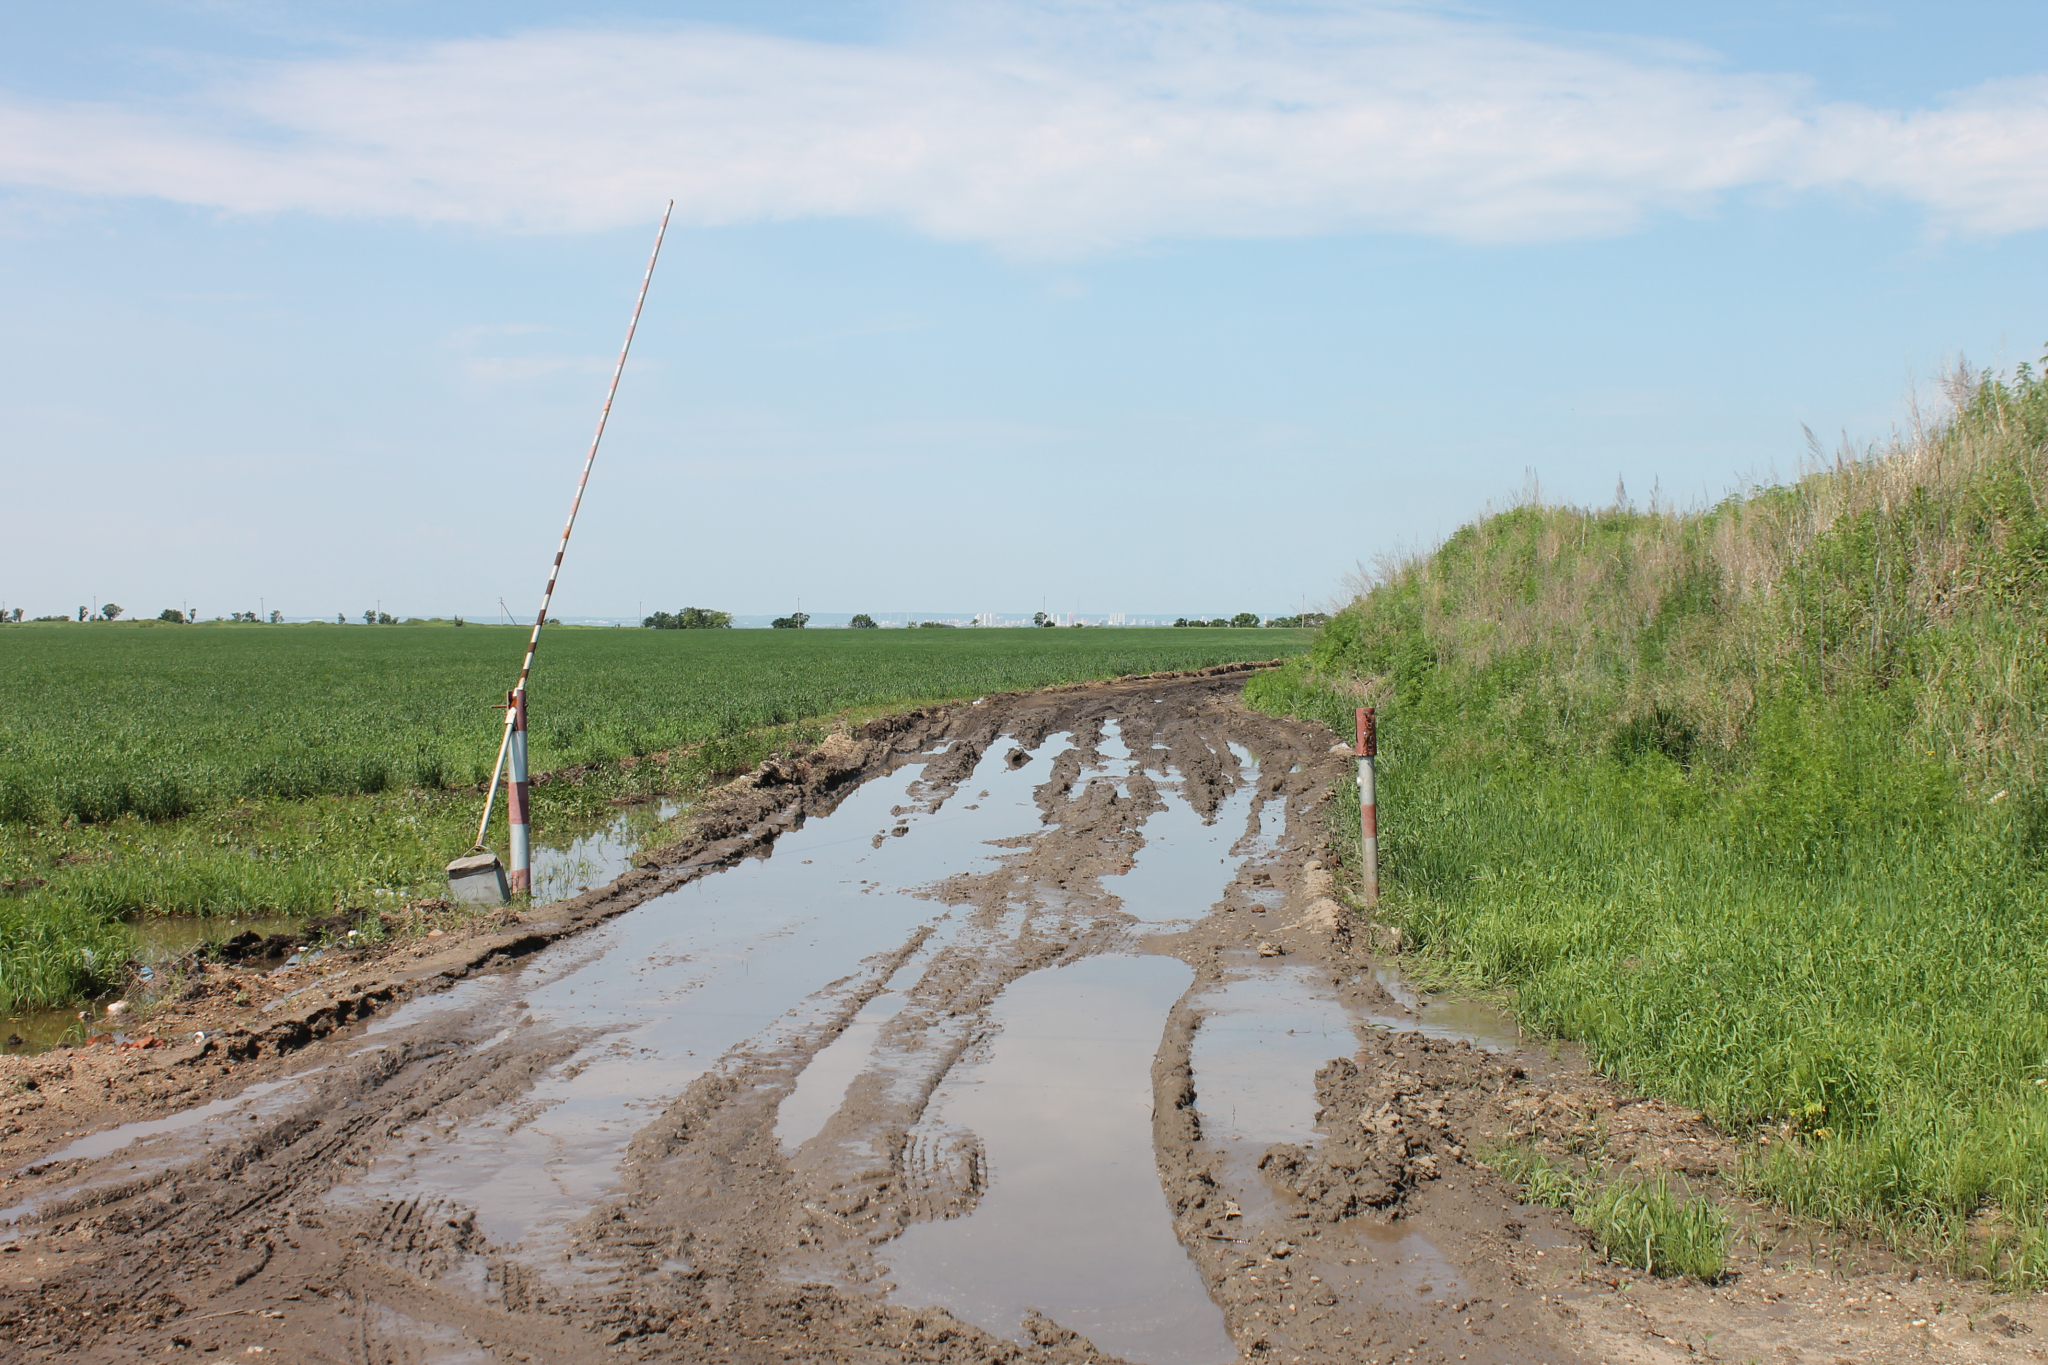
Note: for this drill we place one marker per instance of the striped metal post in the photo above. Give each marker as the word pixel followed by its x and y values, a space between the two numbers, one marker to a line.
pixel 1368 812
pixel 518 811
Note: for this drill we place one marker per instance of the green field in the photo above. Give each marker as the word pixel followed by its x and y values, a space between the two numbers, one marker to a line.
pixel 157 770
pixel 1754 801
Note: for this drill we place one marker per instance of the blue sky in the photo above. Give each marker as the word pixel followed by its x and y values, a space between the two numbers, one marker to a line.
pixel 1139 306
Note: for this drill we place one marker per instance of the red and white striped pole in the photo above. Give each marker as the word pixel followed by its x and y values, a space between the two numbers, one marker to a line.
pixel 1368 813
pixel 519 879
pixel 555 570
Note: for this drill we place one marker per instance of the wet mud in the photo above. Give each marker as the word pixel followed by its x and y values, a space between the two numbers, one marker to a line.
pixel 1031 1030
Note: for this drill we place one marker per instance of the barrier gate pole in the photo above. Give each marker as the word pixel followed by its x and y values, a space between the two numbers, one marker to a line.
pixel 611 392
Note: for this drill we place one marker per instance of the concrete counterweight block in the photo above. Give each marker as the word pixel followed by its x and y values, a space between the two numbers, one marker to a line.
pixel 478 879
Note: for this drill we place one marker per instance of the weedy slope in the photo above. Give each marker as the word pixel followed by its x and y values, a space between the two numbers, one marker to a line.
pixel 1754 801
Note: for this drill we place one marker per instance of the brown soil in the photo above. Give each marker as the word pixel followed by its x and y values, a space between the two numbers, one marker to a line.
pixel 1383 1239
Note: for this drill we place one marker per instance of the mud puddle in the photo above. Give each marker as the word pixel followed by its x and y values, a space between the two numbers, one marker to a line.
pixel 1190 856
pixel 577 859
pixel 1452 1018
pixel 1074 1223
pixel 643 1006
pixel 1264 1034
pixel 821 1086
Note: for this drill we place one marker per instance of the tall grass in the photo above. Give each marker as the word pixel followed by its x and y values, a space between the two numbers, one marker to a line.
pixel 1753 800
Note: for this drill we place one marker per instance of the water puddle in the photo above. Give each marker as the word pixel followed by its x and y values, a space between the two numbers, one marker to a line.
pixel 755 952
pixel 1187 860
pixel 1255 1057
pixel 564 866
pixel 114 1139
pixel 821 1087
pixel 1452 1018
pixel 1073 1222
pixel 167 1141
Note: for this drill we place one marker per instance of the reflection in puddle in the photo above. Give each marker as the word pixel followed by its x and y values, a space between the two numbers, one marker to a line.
pixel 1255 1057
pixel 1073 1222
pixel 1187 862
pixel 667 988
pixel 822 1085
pixel 563 867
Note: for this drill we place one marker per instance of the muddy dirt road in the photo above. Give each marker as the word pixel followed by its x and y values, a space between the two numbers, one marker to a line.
pixel 1019 1031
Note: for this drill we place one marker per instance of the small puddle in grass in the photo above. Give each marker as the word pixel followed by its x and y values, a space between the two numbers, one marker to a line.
pixel 1452 1018
pixel 1073 1221
pixel 563 865
pixel 567 864
pixel 159 942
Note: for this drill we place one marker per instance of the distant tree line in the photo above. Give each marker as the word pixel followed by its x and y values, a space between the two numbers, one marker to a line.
pixel 691 618
pixel 1240 621
pixel 1245 619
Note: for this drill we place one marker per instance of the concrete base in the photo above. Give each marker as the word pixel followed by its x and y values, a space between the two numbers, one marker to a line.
pixel 478 879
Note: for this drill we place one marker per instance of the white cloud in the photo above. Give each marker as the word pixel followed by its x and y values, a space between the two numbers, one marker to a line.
pixel 1056 128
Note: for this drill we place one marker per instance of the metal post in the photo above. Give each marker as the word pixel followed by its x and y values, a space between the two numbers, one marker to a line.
pixel 517 809
pixel 1368 813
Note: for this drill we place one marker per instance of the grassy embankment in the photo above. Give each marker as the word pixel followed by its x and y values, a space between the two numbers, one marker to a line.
pixel 150 770
pixel 1754 801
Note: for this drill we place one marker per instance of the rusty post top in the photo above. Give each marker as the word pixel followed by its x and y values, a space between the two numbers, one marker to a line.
pixel 1368 739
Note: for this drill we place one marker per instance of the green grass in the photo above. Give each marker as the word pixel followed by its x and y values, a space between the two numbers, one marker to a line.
pixel 164 720
pixel 157 770
pixel 1754 801
pixel 1636 1222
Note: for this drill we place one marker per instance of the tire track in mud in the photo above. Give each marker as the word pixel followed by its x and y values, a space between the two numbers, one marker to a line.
pixel 356 1221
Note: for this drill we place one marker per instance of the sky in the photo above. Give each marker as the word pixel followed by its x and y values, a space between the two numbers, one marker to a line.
pixel 1121 306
